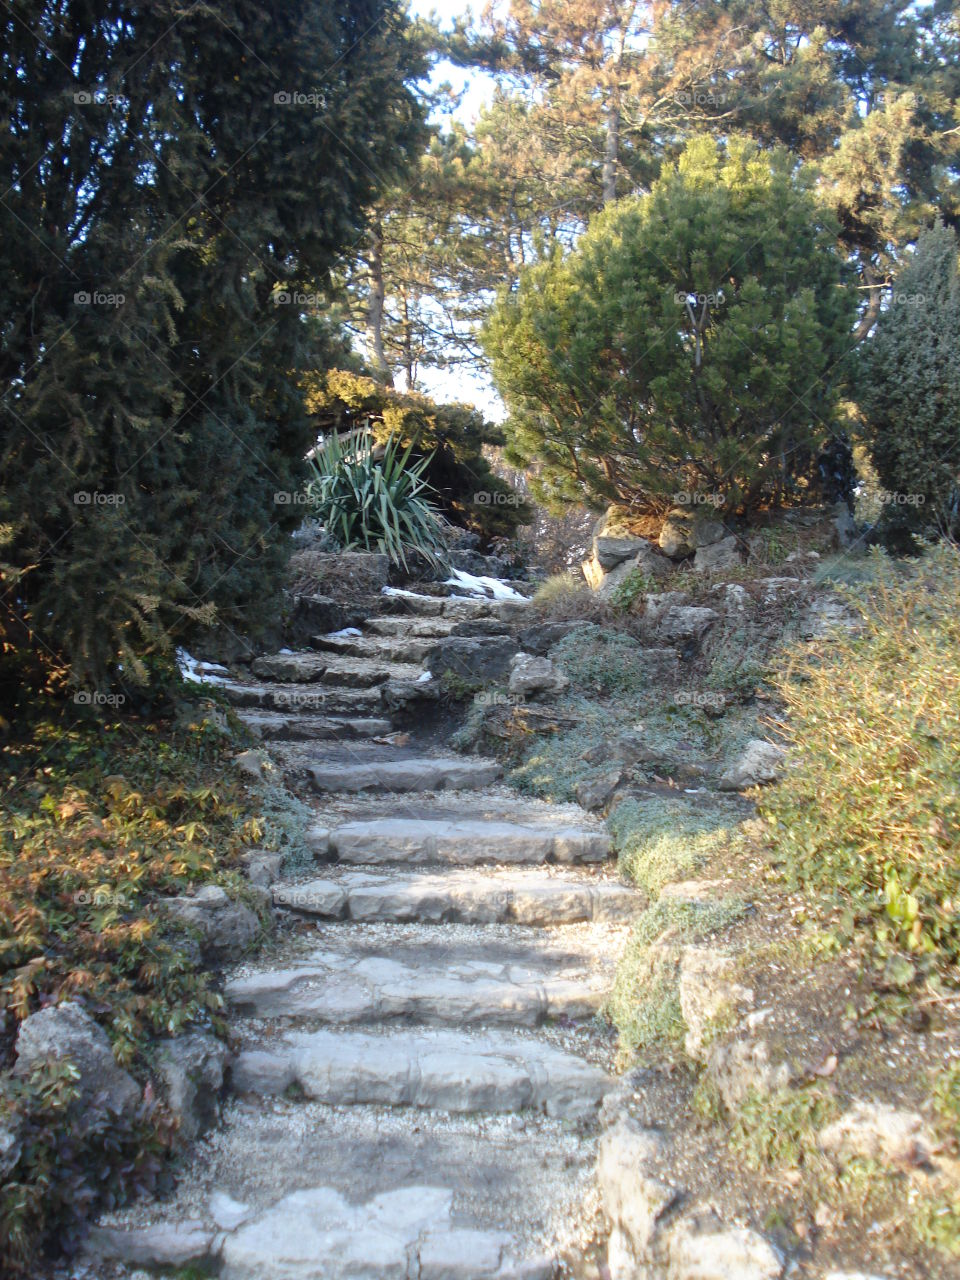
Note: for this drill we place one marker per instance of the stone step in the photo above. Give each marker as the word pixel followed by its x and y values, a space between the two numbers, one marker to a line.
pixel 332 669
pixel 394 625
pixel 521 895
pixel 485 981
pixel 413 773
pixel 406 650
pixel 456 608
pixel 439 1070
pixel 312 727
pixel 465 842
pixel 296 699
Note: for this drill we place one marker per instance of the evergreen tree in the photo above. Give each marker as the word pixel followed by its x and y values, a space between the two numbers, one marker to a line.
pixel 691 341
pixel 908 389
pixel 178 181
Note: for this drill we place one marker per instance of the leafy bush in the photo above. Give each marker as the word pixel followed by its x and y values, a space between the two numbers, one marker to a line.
pixel 870 807
pixel 100 821
pixel 376 499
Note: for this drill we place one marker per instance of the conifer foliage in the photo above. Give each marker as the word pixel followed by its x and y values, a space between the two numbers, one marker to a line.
pixel 179 182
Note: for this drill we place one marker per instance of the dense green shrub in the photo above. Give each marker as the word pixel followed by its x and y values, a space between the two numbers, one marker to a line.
pixel 601 660
pixel 376 499
pixel 869 809
pixel 908 388
pixel 691 341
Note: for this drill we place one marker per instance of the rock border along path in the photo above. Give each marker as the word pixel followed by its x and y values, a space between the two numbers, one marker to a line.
pixel 405 1104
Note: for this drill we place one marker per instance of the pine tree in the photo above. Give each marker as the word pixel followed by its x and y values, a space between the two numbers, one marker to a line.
pixel 908 389
pixel 180 182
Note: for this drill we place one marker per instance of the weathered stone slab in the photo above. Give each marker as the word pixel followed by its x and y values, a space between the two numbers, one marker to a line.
pixel 441 1070
pixel 275 724
pixel 299 699
pixel 168 1245
pixel 419 773
pixel 467 842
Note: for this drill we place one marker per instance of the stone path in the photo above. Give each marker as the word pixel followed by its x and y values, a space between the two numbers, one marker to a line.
pixel 419 1072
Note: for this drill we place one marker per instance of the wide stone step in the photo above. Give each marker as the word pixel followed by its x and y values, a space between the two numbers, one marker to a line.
pixel 415 773
pixel 515 895
pixel 419 628
pixel 440 1070
pixel 491 984
pixel 381 649
pixel 333 669
pixel 301 698
pixel 456 608
pixel 278 725
pixel 465 842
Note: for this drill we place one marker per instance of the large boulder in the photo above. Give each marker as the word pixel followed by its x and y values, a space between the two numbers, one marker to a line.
pixel 316 615
pixel 634 1200
pixel 480 658
pixel 759 763
pixel 226 928
pixel 685 529
pixel 530 675
pixel 192 1068
pixel 67 1032
pixel 709 1251
pixel 724 554
pixel 541 637
pixel 877 1131
pixel 708 987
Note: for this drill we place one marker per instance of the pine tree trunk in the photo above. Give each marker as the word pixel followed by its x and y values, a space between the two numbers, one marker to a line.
pixel 375 305
pixel 611 155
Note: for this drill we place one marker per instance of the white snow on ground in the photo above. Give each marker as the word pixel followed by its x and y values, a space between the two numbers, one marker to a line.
pixel 425 678
pixel 346 634
pixel 200 672
pixel 482 588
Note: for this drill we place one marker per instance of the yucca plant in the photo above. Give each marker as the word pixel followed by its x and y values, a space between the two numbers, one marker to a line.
pixel 377 503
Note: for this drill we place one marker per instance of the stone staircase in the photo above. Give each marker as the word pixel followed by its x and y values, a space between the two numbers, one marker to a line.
pixel 418 1066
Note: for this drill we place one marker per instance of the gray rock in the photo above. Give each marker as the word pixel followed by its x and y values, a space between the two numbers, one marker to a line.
pixel 530 675
pixel 172 1245
pixel 724 554
pixel 677 535
pixel 759 763
pixel 479 565
pixel 877 1131
pixel 253 763
pixel 400 695
pixel 473 658
pixel 399 1233
pixel 462 842
pixel 634 1200
pixel 595 793
pixel 471 628
pixel 313 615
pixel 736 599
pixel 735 1254
pixel 192 1068
pixel 738 1068
pixel 226 928
pixel 10 1145
pixel 493 1073
pixel 426 773
pixel 826 615
pixel 682 624
pixel 611 551
pixel 66 1031
pixel 263 867
pixel 295 667
pixel 541 638
pixel 708 986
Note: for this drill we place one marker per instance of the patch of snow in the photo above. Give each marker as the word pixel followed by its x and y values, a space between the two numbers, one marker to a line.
pixel 423 679
pixel 200 672
pixel 346 634
pixel 482 588
pixel 287 651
